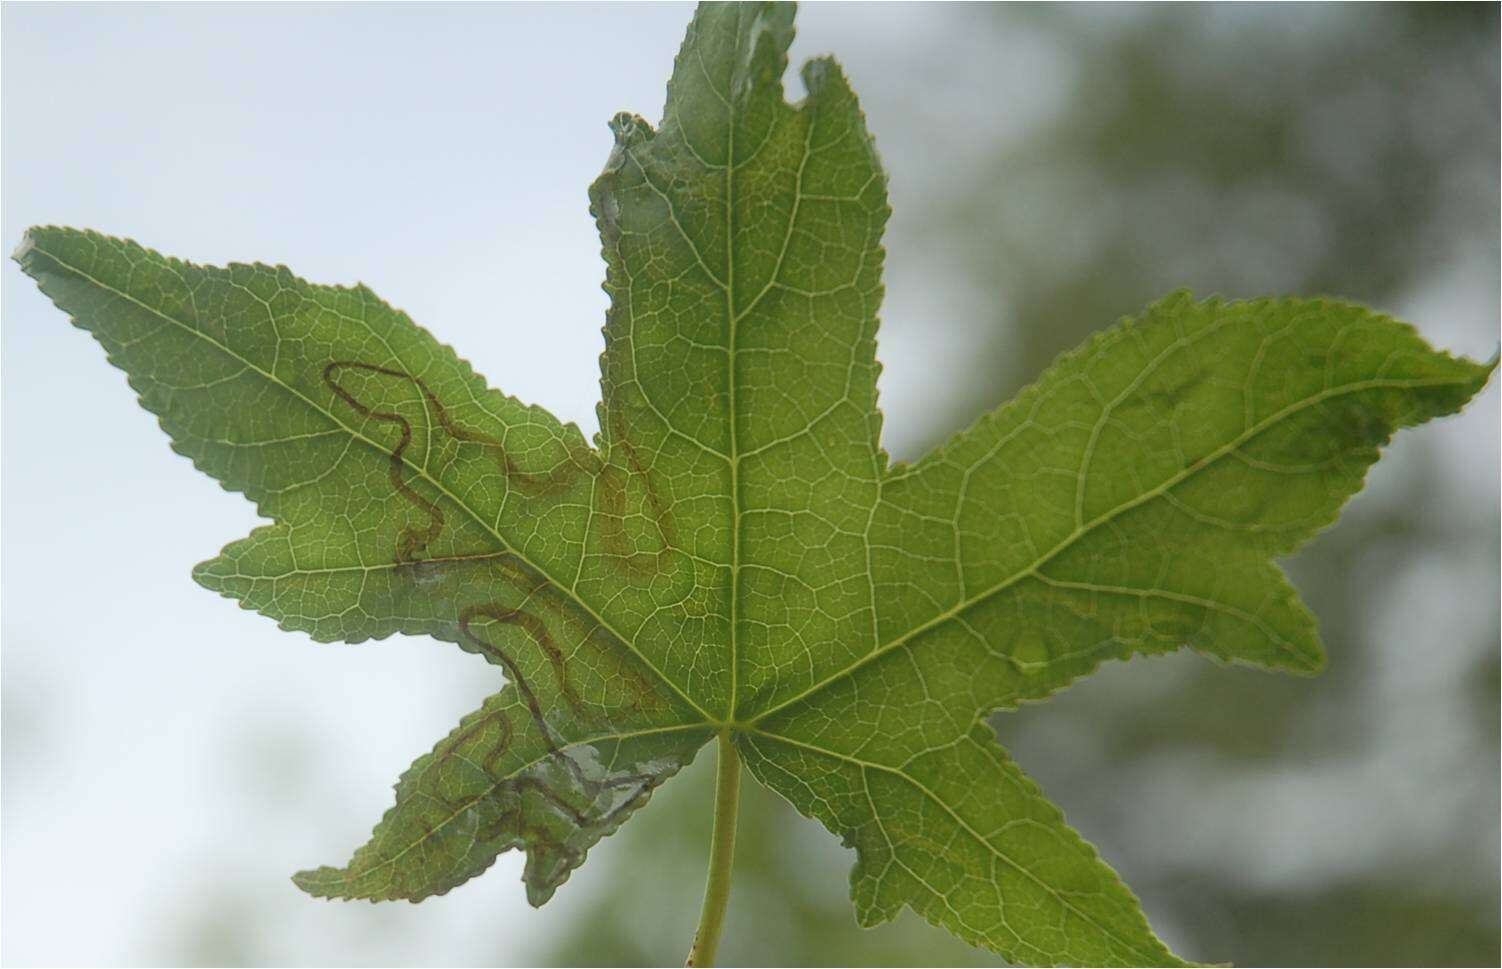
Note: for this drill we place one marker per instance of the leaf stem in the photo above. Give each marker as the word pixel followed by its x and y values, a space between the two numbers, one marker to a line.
pixel 727 802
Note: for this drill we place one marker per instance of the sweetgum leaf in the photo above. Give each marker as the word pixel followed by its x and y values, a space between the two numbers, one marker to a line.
pixel 734 554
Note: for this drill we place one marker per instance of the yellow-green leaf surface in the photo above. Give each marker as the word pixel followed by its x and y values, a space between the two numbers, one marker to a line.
pixel 734 553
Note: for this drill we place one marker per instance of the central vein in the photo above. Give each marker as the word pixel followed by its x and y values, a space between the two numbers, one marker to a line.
pixel 735 453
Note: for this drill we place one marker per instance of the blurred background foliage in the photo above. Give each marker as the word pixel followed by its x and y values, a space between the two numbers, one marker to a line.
pixel 1245 152
pixel 1053 169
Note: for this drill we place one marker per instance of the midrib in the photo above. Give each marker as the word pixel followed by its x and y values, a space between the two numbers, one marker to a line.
pixel 735 452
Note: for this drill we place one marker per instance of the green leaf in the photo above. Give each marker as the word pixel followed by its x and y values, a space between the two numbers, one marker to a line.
pixel 734 554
